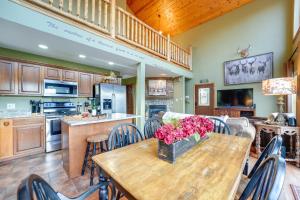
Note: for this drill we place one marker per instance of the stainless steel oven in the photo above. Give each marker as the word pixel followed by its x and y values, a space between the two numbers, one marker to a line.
pixel 53 133
pixel 54 112
pixel 53 88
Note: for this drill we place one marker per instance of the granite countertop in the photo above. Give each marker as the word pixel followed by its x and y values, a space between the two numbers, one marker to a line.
pixel 11 115
pixel 92 120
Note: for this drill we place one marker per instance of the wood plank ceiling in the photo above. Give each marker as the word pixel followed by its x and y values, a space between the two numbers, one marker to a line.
pixel 176 16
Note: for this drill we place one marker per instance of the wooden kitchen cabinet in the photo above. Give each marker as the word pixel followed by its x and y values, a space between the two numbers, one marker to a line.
pixel 27 79
pixel 28 136
pixel 52 73
pixel 6 139
pixel 85 85
pixel 8 77
pixel 68 75
pixel 30 79
pixel 98 78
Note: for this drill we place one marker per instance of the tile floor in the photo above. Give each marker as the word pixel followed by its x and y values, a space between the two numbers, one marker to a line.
pixel 49 166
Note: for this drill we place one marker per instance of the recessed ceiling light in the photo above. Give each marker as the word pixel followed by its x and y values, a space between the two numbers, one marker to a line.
pixel 111 63
pixel 163 74
pixel 43 46
pixel 81 56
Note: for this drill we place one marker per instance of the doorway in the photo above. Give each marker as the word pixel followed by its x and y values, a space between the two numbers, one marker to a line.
pixel 204 99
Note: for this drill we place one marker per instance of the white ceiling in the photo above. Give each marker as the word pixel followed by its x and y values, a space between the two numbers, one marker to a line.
pixel 18 37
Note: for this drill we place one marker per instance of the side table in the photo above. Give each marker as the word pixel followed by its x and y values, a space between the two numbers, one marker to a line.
pixel 279 130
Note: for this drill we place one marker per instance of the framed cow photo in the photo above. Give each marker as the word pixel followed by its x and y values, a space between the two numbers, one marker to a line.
pixel 252 69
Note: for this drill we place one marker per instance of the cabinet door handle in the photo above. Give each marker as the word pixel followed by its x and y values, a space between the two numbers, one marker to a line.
pixel 6 123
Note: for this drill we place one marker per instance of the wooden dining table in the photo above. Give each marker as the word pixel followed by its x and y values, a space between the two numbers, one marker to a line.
pixel 210 170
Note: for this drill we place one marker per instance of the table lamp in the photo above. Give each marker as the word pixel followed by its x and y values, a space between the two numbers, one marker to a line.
pixel 279 87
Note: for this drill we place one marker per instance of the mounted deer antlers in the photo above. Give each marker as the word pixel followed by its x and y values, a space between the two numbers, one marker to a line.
pixel 243 52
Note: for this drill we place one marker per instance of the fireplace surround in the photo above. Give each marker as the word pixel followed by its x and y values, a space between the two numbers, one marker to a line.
pixel 154 110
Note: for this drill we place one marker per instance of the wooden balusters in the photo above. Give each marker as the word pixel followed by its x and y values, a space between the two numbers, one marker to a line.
pixel 159 46
pixel 105 14
pixel 152 40
pixel 146 37
pixel 163 45
pixel 135 31
pixel 179 55
pixel 99 12
pixel 78 8
pixel 112 17
pixel 93 11
pixel 155 41
pixel 132 29
pixel 86 9
pixel 190 58
pixel 70 6
pixel 61 4
pixel 124 24
pixel 128 26
pixel 119 22
pixel 143 35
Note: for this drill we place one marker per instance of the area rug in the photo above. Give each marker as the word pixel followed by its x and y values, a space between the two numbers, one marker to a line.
pixel 296 191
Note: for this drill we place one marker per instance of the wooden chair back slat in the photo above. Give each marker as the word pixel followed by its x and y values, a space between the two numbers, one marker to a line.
pixel 123 135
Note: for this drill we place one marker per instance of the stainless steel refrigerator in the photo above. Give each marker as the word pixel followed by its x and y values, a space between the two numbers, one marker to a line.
pixel 110 98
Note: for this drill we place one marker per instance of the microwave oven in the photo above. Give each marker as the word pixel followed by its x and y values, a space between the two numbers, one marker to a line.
pixel 53 88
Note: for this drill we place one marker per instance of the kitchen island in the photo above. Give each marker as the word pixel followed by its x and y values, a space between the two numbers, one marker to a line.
pixel 75 132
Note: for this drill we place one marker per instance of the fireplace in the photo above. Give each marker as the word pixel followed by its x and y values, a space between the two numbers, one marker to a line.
pixel 155 110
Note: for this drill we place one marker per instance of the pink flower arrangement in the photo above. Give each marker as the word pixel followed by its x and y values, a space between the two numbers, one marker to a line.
pixel 186 127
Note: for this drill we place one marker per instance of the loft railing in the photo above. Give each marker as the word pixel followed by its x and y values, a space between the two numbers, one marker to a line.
pixel 106 17
pixel 133 30
pixel 179 55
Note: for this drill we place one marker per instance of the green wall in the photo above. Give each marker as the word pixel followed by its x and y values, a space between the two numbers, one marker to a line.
pixel 9 53
pixel 129 81
pixel 265 24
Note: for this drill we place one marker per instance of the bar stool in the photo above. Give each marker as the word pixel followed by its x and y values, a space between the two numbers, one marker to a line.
pixel 91 150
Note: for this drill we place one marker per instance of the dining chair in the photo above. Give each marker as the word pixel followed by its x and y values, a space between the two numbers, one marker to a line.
pixel 122 135
pixel 267 181
pixel 220 126
pixel 35 186
pixel 273 147
pixel 150 127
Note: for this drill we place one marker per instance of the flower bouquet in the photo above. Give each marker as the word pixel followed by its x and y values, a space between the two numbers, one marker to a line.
pixel 178 136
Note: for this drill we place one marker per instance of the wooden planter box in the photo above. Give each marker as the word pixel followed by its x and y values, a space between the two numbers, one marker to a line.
pixel 172 151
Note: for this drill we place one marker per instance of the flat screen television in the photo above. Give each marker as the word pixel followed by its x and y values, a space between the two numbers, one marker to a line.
pixel 235 98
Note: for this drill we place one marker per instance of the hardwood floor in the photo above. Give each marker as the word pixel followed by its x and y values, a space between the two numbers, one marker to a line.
pixel 292 177
pixel 49 166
